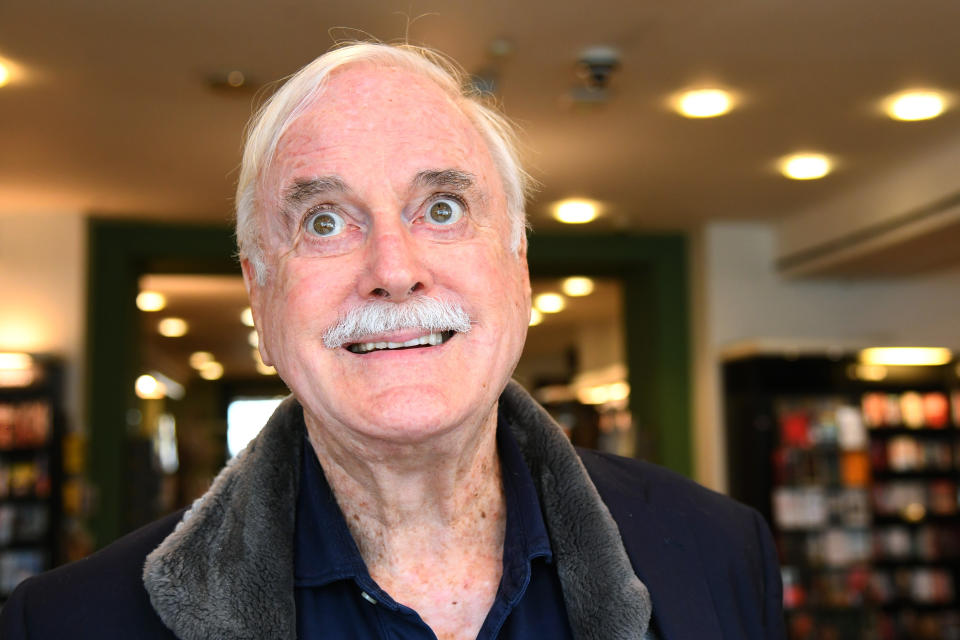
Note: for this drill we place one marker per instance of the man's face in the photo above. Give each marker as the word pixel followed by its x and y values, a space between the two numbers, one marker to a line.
pixel 380 191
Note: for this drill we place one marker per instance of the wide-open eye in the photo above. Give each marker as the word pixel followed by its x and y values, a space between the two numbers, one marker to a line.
pixel 325 224
pixel 444 211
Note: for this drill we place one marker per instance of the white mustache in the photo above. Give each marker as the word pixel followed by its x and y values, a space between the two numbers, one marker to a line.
pixel 381 316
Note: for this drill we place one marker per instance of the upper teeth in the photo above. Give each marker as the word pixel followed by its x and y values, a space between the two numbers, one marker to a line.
pixel 432 339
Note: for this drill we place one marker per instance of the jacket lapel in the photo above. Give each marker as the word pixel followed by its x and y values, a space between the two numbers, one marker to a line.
pixel 227 569
pixel 664 551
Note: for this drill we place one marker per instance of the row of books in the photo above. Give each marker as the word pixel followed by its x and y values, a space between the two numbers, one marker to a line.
pixel 25 479
pixel 910 409
pixel 908 453
pixel 926 543
pixel 23 523
pixel 860 585
pixel 816 507
pixel 839 546
pixel 24 424
pixel 18 565
pixel 914 500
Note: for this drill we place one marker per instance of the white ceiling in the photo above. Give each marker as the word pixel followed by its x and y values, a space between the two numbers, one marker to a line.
pixel 114 115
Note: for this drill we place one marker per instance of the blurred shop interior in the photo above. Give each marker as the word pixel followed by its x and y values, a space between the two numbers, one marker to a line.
pixel 747 228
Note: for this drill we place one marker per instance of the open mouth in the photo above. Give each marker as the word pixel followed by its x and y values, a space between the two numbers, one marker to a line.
pixel 429 340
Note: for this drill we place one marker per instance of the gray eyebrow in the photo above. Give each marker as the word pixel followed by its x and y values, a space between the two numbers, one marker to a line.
pixel 453 179
pixel 305 189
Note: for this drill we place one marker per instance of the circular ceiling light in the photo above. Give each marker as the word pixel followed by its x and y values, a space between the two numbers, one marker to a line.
pixel 211 371
pixel 4 74
pixel 576 211
pixel 246 317
pixel 172 327
pixel 704 103
pixel 911 106
pixel 805 166
pixel 576 286
pixel 549 303
pixel 149 388
pixel 151 301
pixel 535 317
pixel 200 358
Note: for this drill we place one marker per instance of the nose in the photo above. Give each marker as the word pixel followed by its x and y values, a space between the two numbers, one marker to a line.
pixel 395 268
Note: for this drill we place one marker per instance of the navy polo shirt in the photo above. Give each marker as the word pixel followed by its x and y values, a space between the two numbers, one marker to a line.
pixel 337 598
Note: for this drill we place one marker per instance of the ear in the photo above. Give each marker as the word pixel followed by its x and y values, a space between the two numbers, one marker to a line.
pixel 255 292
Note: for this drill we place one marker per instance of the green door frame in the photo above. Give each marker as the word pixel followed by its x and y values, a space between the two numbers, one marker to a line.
pixel 651 267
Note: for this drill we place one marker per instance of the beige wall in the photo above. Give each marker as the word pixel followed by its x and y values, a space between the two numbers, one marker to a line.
pixel 738 298
pixel 43 291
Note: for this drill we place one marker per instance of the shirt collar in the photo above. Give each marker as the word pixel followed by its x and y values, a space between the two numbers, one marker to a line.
pixel 325 551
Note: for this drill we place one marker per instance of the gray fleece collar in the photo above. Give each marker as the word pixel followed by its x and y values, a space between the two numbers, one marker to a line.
pixel 226 571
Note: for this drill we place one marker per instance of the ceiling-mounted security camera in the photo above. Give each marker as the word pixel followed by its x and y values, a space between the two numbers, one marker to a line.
pixel 597 63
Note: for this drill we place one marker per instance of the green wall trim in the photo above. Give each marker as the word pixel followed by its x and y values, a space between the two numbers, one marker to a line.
pixel 119 253
pixel 652 268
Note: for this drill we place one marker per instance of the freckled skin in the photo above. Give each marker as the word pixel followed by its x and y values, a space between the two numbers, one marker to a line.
pixel 405 438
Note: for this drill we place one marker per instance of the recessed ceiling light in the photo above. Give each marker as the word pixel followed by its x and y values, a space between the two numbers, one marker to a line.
pixel 246 317
pixel 549 303
pixel 805 166
pixel 151 301
pixel 576 286
pixel 172 327
pixel 704 103
pixel 148 387
pixel 212 371
pixel 535 317
pixel 253 338
pixel 4 74
pixel 200 358
pixel 576 211
pixel 911 106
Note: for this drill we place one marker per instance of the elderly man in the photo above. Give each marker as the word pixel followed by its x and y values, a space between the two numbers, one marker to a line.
pixel 408 489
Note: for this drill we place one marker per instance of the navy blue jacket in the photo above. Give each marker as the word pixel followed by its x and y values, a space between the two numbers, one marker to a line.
pixel 708 562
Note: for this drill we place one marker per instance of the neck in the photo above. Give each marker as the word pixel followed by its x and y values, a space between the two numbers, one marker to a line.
pixel 389 493
pixel 429 519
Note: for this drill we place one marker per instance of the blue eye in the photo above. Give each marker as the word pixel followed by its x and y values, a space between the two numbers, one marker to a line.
pixel 325 224
pixel 444 211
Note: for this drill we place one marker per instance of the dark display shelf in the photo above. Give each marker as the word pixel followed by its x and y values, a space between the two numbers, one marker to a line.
pixel 31 432
pixel 861 491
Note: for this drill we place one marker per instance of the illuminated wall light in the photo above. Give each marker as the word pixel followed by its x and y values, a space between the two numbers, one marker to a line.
pixel 549 303
pixel 16 370
pixel 246 317
pixel 200 358
pixel 704 103
pixel 211 371
pixel 576 211
pixel 149 388
pixel 5 73
pixel 906 356
pixel 911 106
pixel 15 361
pixel 172 327
pixel 576 286
pixel 253 339
pixel 805 166
pixel 151 301
pixel 535 317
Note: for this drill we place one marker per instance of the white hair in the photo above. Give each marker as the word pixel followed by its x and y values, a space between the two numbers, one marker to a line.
pixel 306 85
